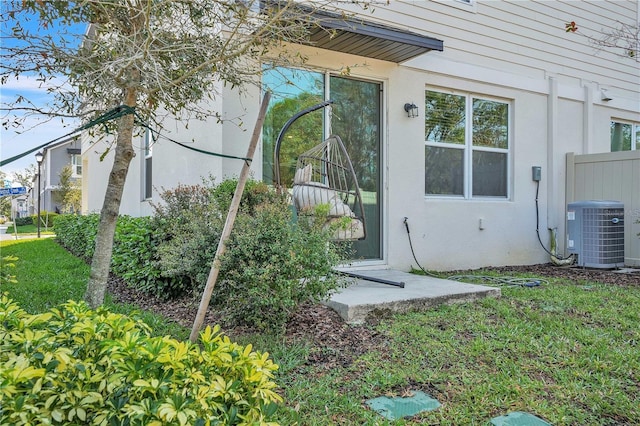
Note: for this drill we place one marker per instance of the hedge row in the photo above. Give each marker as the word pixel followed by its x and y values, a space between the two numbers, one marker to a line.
pixel 270 267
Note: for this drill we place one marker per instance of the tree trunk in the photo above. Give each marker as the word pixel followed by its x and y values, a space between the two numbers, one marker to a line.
pixel 101 262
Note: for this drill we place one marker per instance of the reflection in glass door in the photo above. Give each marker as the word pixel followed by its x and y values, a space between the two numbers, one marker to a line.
pixel 356 119
pixel 355 116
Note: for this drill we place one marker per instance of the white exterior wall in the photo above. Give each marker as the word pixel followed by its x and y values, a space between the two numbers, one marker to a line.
pixel 514 51
pixel 242 113
pixel 172 164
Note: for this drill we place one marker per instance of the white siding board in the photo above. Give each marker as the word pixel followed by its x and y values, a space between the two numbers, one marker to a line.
pixel 623 172
pixel 622 5
pixel 549 31
pixel 598 13
pixel 587 27
pixel 494 39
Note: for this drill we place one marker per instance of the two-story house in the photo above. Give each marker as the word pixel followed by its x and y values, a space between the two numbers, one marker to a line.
pixel 458 115
pixel 55 157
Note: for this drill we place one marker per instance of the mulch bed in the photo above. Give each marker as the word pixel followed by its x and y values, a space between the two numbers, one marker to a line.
pixel 334 343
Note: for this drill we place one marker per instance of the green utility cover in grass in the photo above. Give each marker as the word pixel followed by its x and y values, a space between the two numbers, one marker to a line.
pixel 398 407
pixel 518 418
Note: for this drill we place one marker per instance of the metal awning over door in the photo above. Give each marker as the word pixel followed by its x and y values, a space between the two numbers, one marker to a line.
pixel 357 36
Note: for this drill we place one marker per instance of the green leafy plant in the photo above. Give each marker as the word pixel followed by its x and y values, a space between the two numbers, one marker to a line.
pixel 74 365
pixel 189 227
pixel 272 265
pixel 7 264
pixel 77 233
pixel 134 254
pixel 69 192
pixel 21 221
pixel 46 218
pixel 255 194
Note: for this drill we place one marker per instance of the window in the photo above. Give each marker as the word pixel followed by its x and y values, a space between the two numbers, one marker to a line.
pixel 625 136
pixel 147 169
pixel 76 165
pixel 466 5
pixel 466 146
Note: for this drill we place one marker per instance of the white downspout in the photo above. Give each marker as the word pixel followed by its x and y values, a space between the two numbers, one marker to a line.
pixel 552 136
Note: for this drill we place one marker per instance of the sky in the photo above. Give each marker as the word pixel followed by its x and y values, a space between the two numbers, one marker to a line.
pixel 36 131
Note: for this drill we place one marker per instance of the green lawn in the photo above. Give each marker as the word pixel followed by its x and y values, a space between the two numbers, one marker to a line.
pixel 28 230
pixel 48 275
pixel 568 353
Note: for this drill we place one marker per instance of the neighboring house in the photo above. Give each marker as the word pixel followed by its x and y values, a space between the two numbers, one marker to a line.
pixel 55 158
pixel 20 205
pixel 500 88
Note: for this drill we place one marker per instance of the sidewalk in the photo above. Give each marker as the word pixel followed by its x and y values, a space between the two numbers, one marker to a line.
pixel 6 233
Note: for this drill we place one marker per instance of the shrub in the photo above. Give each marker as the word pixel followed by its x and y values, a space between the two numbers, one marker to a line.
pixel 22 221
pixel 47 218
pixel 133 246
pixel 77 366
pixel 272 265
pixel 188 225
pixel 7 263
pixel 77 233
pixel 190 220
pixel 134 252
pixel 255 194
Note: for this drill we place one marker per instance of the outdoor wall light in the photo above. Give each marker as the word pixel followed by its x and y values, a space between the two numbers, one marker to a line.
pixel 411 110
pixel 604 96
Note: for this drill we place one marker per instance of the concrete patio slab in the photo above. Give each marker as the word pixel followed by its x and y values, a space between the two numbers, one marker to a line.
pixel 356 302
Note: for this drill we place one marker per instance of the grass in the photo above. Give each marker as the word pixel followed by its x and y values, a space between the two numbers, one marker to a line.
pixel 48 276
pixel 25 230
pixel 568 353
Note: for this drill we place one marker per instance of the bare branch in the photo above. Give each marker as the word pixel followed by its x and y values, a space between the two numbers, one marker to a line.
pixel 624 40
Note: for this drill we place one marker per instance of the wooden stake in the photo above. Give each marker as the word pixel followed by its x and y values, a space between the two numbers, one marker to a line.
pixel 228 225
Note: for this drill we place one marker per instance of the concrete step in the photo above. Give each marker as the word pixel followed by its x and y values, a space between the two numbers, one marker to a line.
pixel 355 302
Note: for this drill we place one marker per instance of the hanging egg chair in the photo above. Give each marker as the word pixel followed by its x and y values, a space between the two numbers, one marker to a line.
pixel 325 185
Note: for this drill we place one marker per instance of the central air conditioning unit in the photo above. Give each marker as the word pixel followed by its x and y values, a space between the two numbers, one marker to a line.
pixel 595 233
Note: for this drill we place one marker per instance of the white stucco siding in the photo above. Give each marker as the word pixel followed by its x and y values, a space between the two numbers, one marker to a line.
pixel 95 174
pixel 176 165
pixel 97 171
pixel 241 113
pixel 445 231
pixel 172 164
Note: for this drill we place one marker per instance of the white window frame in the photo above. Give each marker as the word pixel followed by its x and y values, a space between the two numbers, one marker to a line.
pixel 147 162
pixel 467 193
pixel 635 132
pixel 466 5
pixel 76 165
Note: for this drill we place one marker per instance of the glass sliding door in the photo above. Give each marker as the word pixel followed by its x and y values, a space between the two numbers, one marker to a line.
pixel 356 119
pixel 355 116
